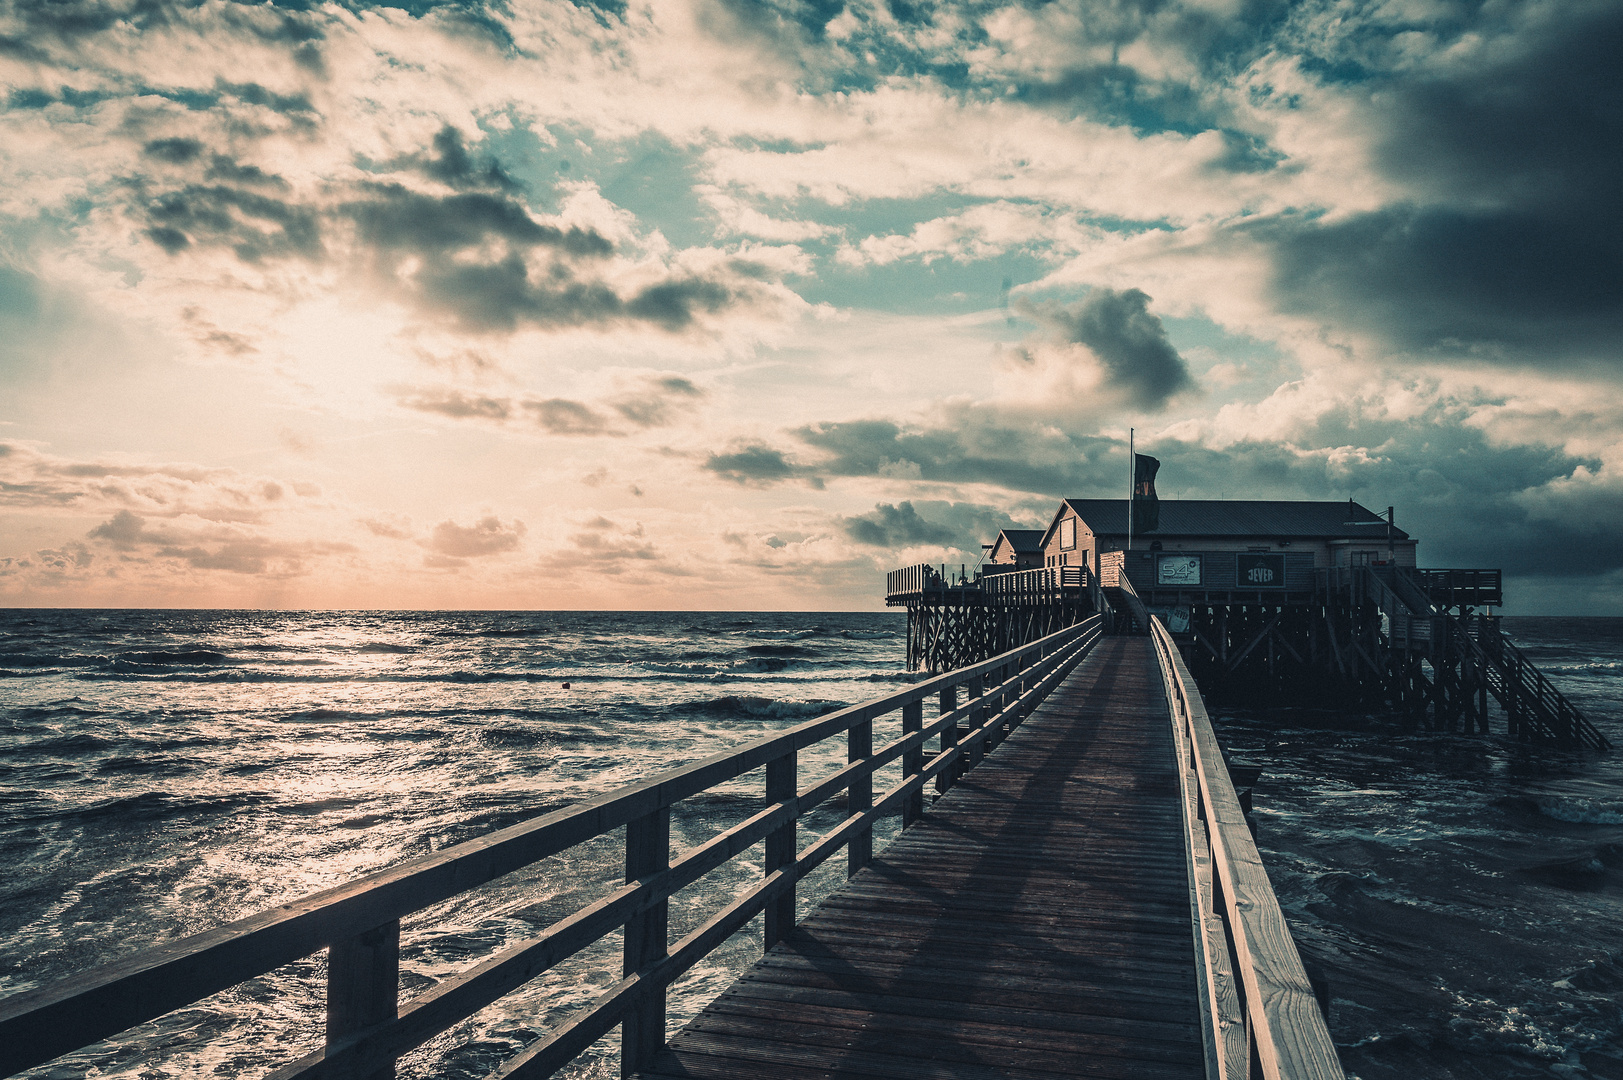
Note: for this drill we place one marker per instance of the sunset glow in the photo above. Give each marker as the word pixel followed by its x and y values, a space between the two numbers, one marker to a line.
pixel 724 304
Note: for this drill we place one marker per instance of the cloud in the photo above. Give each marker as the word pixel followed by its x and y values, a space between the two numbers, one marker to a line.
pixel 644 401
pixel 458 406
pixel 32 478
pixel 954 526
pixel 753 464
pixel 1131 345
pixel 487 536
pixel 210 546
pixel 561 416
pixel 1506 239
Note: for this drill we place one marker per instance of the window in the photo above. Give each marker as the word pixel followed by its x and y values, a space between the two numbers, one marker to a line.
pixel 1067 534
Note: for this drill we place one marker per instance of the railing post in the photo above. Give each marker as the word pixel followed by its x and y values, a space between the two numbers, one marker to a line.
pixel 859 797
pixel 912 762
pixel 949 737
pixel 977 717
pixel 642 1029
pixel 781 786
pixel 363 985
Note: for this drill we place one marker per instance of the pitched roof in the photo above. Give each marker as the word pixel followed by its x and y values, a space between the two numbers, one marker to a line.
pixel 1242 517
pixel 1024 541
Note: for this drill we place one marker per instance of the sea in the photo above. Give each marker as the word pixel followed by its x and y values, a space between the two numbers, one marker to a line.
pixel 164 772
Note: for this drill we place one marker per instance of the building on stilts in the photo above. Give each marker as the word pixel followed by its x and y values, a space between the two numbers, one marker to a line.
pixel 1267 599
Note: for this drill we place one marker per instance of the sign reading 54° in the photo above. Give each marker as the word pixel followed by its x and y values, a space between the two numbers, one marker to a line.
pixel 1177 570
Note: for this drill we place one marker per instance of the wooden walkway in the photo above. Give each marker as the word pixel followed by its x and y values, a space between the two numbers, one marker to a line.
pixel 1036 924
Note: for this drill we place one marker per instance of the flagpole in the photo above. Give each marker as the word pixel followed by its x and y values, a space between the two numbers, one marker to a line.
pixel 1131 478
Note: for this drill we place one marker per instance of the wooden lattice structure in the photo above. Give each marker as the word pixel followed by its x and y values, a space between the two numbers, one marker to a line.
pixel 954 621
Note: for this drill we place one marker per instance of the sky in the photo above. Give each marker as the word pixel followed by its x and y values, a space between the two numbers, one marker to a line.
pixel 736 304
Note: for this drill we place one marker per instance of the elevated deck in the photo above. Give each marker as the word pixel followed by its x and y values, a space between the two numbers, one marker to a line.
pixel 1036 922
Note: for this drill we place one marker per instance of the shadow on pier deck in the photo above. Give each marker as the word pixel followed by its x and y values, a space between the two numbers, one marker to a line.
pixel 1036 923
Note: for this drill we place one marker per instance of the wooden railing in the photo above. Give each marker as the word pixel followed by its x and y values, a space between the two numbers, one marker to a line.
pixel 1468 587
pixel 1520 687
pixel 1039 584
pixel 912 580
pixel 1515 682
pixel 1262 1017
pixel 1033 586
pixel 359 923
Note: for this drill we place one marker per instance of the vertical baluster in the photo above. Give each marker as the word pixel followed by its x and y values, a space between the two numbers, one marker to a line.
pixel 781 786
pixel 949 736
pixel 642 1030
pixel 977 717
pixel 363 985
pixel 859 796
pixel 912 762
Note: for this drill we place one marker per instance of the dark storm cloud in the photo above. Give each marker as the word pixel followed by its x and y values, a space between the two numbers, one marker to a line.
pixel 66 22
pixel 1512 246
pixel 976 446
pixel 476 256
pixel 175 151
pixel 452 165
pixel 499 291
pixel 1131 343
pixel 254 226
pixel 395 218
pixel 901 525
pixel 753 464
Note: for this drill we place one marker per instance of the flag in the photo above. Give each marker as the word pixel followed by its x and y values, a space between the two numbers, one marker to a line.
pixel 1146 507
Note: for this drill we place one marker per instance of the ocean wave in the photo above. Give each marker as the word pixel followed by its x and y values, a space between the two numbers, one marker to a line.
pixel 753 707
pixel 1588 667
pixel 331 716
pixel 781 650
pixel 53 660
pixel 81 743
pixel 190 658
pixel 384 648
pixel 1582 811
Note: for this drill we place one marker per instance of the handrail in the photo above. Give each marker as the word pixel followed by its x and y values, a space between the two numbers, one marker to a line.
pixel 1266 1022
pixel 359 922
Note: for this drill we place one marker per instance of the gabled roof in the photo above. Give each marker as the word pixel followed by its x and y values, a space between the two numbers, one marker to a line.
pixel 1342 519
pixel 1023 541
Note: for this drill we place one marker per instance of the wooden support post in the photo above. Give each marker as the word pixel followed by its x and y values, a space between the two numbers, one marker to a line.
pixel 781 786
pixel 949 737
pixel 859 797
pixel 642 1030
pixel 913 762
pixel 977 690
pixel 363 985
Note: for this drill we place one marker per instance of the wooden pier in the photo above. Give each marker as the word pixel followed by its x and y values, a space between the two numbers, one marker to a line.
pixel 1082 899
pixel 1036 923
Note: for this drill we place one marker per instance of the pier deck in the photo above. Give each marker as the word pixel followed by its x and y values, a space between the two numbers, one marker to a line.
pixel 1035 924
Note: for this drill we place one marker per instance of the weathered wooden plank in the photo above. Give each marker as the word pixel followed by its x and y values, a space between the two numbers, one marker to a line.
pixel 1035 923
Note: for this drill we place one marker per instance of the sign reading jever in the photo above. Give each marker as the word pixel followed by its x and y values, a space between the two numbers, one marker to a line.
pixel 1177 570
pixel 1259 571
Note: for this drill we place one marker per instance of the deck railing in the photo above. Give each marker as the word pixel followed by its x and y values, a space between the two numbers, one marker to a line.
pixel 1262 1017
pixel 1039 584
pixel 359 923
pixel 1033 586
